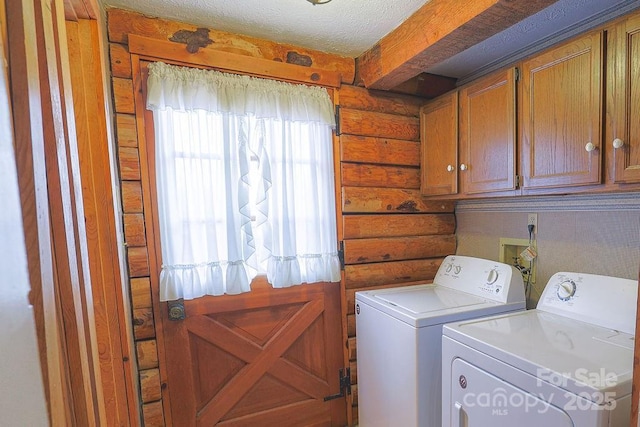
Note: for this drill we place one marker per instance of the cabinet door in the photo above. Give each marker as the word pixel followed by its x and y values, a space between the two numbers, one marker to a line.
pixel 439 146
pixel 488 134
pixel 561 114
pixel 623 101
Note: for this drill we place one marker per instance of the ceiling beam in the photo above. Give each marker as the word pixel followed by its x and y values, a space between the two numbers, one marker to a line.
pixel 437 31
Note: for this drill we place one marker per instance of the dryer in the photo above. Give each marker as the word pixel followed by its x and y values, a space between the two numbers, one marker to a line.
pixel 399 336
pixel 569 362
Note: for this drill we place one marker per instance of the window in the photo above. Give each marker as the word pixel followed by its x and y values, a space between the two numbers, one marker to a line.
pixel 244 172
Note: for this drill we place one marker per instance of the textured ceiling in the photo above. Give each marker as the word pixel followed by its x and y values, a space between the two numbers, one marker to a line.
pixel 349 27
pixel 345 27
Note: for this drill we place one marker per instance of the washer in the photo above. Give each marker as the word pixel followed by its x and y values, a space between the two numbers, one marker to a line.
pixel 569 362
pixel 399 336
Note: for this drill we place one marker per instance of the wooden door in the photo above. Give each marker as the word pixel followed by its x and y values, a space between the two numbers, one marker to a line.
pixel 623 102
pixel 488 134
pixel 265 358
pixel 561 114
pixel 439 146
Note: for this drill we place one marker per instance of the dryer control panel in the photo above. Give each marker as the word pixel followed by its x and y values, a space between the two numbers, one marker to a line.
pixel 600 300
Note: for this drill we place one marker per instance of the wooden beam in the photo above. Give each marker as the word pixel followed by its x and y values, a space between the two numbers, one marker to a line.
pixel 437 31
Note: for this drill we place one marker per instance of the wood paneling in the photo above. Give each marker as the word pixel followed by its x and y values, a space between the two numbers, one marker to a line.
pixel 129 161
pixel 143 326
pixel 152 414
pixel 110 300
pixel 134 230
pixel 362 251
pixel 367 226
pixel 359 98
pixel 361 175
pixel 150 385
pixel 122 23
pixel 138 261
pixel 362 149
pixel 123 95
pixel 381 125
pixel 140 292
pixel 385 273
pixel 120 61
pixel 389 200
pixel 131 196
pixel 147 354
pixel 127 135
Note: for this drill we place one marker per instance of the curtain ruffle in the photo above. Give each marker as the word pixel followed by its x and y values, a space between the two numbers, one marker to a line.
pixel 186 89
pixel 196 280
pixel 283 272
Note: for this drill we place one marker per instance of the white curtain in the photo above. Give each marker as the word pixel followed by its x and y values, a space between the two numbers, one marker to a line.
pixel 244 174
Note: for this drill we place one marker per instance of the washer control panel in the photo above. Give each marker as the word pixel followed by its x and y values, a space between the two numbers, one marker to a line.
pixel 486 278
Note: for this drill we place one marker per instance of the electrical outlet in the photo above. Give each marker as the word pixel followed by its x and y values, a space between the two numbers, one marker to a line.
pixel 532 219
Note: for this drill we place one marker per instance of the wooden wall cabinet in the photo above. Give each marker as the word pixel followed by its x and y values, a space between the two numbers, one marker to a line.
pixel 561 113
pixel 622 135
pixel 439 146
pixel 469 139
pixel 487 130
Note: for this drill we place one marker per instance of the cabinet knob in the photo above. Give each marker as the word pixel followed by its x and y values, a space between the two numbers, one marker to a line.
pixel 590 147
pixel 463 167
pixel 617 143
pixel 450 168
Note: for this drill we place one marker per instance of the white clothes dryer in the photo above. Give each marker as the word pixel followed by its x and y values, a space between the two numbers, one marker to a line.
pixel 569 362
pixel 399 336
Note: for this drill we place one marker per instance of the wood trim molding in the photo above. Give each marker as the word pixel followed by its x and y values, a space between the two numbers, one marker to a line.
pixel 576 202
pixel 153 49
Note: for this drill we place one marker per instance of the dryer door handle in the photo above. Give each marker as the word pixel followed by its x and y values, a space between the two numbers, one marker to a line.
pixel 459 416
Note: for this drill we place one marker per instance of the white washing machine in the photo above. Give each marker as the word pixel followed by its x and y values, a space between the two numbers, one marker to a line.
pixel 569 362
pixel 399 336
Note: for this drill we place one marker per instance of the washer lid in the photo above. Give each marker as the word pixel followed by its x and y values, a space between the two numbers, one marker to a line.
pixel 428 300
pixel 579 357
pixel 426 305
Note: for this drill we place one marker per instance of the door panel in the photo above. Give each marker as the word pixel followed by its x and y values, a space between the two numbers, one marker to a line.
pixel 561 114
pixel 623 101
pixel 488 134
pixel 439 146
pixel 268 357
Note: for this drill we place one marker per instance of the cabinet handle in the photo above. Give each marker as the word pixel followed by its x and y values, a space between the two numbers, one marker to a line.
pixel 450 168
pixel 463 167
pixel 590 147
pixel 617 143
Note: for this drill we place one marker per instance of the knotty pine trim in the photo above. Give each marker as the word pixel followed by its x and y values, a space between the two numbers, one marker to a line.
pixel 153 49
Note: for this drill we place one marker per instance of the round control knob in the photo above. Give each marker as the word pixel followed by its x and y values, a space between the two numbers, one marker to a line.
pixel 590 147
pixel 450 168
pixel 492 277
pixel 463 167
pixel 566 290
pixel 617 143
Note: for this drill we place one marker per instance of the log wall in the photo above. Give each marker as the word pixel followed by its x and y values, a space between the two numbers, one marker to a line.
pixel 391 235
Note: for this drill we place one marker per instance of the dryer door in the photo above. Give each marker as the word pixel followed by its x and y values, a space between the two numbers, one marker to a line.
pixel 480 399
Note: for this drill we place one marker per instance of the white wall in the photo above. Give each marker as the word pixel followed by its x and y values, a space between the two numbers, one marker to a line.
pixel 598 235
